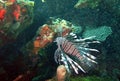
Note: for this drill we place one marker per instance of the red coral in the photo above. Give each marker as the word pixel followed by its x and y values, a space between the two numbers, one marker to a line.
pixel 13 1
pixel 2 14
pixel 16 12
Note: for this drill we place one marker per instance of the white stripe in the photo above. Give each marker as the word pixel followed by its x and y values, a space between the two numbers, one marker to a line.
pixel 89 55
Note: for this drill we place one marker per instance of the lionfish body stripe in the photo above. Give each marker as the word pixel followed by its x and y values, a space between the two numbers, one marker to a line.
pixel 68 47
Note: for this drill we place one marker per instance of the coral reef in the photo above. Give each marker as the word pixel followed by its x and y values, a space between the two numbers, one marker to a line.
pixel 46 33
pixel 44 37
pixel 61 73
pixel 14 18
pixel 88 16
pixel 56 27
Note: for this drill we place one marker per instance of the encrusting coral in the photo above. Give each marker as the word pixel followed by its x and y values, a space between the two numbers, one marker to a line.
pixel 61 73
pixel 15 17
pixel 48 32
pixel 44 37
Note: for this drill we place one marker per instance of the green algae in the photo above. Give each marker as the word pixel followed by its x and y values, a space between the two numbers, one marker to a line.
pixel 91 78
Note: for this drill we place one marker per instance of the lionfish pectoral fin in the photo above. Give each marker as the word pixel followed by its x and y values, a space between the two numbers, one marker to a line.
pixel 71 63
pixel 92 60
pixel 95 42
pixel 88 38
pixel 75 65
pixel 93 50
pixel 79 66
pixel 88 61
pixel 84 39
pixel 65 63
pixel 87 49
pixel 89 55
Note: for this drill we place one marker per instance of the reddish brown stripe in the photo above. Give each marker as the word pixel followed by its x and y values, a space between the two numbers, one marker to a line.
pixel 65 44
pixel 67 47
pixel 71 49
pixel 75 51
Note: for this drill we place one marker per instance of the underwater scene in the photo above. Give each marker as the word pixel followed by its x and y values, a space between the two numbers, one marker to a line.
pixel 59 40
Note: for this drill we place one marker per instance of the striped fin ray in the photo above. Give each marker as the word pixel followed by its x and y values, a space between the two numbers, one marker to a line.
pixel 86 44
pixel 60 58
pixel 89 59
pixel 87 49
pixel 93 42
pixel 89 55
pixel 75 65
pixel 64 60
pixel 83 40
pixel 87 63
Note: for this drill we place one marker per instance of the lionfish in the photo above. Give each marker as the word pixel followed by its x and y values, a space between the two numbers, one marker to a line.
pixel 74 53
